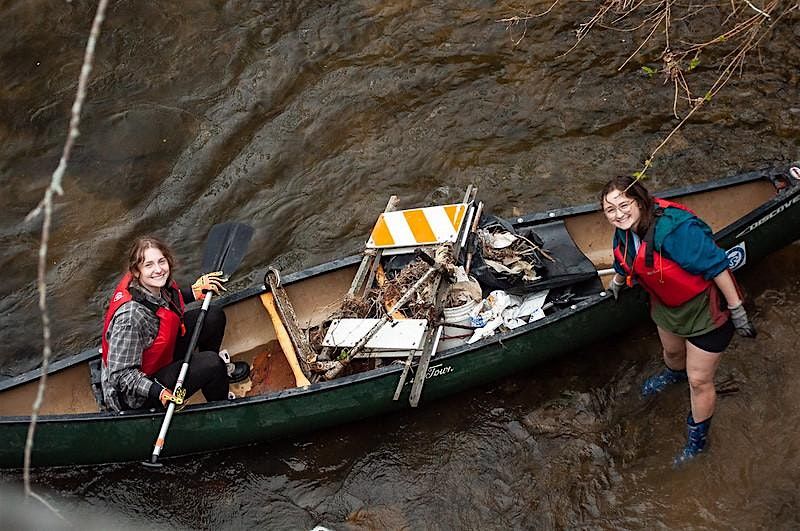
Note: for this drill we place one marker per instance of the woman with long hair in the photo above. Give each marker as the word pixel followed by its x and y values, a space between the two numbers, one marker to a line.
pixel 147 330
pixel 694 299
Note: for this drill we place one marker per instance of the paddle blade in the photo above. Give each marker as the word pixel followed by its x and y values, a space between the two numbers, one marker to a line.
pixel 226 246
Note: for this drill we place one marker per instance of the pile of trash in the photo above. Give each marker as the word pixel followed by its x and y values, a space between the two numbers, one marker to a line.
pixel 493 288
pixel 507 260
pixel 500 309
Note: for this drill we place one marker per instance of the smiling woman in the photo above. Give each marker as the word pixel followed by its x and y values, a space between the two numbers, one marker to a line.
pixel 146 332
pixel 153 271
pixel 694 299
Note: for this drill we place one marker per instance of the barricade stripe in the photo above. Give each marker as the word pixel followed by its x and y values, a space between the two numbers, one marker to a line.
pixel 418 226
pixel 456 214
pixel 421 229
pixel 398 226
pixel 381 236
pixel 440 223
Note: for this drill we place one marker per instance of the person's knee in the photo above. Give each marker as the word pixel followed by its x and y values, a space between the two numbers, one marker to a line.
pixel 207 364
pixel 700 383
pixel 215 319
pixel 674 354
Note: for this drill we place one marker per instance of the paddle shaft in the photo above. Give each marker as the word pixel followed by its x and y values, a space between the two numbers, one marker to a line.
pixel 162 434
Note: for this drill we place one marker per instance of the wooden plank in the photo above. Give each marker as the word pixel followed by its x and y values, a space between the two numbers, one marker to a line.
pixel 286 312
pixel 422 367
pixel 283 338
pixel 370 261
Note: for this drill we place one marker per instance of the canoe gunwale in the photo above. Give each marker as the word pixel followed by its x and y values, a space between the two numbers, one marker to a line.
pixel 716 184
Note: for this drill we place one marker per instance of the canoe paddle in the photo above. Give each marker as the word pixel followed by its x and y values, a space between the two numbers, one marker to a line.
pixel 225 248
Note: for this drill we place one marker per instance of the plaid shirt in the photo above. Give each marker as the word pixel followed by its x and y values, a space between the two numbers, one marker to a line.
pixel 132 330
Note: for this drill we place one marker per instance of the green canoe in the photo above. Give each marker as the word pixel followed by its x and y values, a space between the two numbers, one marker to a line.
pixel 752 214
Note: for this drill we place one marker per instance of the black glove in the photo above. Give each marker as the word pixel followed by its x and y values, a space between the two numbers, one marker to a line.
pixel 741 322
pixel 615 288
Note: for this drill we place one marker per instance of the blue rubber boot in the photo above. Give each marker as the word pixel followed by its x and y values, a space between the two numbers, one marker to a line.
pixel 661 380
pixel 695 441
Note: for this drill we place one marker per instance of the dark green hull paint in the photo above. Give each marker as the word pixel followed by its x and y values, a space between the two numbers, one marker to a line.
pixel 104 438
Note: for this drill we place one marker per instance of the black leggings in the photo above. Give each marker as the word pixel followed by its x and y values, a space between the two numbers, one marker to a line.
pixel 207 372
pixel 210 336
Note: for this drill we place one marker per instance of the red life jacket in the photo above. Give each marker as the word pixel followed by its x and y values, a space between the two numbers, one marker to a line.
pixel 660 276
pixel 159 354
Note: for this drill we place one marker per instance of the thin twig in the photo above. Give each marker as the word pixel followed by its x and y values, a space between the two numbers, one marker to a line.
pixel 756 9
pixel 652 31
pixel 46 206
pixel 720 82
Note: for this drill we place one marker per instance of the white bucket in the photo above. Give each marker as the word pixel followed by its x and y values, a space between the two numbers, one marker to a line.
pixel 452 336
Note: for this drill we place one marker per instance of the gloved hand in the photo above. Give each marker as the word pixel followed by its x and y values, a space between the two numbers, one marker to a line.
pixel 615 288
pixel 741 322
pixel 166 396
pixel 208 282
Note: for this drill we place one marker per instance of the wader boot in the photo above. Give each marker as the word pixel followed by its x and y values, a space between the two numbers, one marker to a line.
pixel 695 442
pixel 661 380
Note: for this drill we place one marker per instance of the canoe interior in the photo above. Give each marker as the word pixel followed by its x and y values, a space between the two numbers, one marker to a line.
pixel 250 335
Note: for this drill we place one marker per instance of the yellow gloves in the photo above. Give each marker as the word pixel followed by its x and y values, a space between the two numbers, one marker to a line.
pixel 208 282
pixel 166 396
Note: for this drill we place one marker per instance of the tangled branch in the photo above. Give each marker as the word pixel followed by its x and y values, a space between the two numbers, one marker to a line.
pixel 742 30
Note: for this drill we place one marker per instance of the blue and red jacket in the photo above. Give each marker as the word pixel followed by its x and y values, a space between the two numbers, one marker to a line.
pixel 160 353
pixel 661 276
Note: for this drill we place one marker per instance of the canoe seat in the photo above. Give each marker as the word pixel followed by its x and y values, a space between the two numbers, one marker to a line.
pixel 570 266
pixel 94 377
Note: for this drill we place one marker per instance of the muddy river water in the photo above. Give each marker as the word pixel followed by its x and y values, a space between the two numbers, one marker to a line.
pixel 301 118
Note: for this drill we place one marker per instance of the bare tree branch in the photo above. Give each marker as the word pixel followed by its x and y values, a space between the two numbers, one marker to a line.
pixel 46 206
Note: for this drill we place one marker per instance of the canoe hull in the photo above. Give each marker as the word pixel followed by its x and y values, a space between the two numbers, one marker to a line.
pixel 104 438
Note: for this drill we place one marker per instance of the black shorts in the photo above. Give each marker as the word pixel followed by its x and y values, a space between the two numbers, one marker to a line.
pixel 715 341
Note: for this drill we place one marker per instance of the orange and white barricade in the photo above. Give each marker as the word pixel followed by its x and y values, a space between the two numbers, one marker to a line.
pixel 417 227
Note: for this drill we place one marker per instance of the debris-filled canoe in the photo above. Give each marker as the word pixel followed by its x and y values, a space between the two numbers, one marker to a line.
pixel 444 298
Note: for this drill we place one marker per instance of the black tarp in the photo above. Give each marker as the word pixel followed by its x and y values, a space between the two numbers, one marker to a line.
pixel 569 266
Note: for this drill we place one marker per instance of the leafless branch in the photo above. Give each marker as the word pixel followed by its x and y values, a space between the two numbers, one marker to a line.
pixel 46 206
pixel 739 31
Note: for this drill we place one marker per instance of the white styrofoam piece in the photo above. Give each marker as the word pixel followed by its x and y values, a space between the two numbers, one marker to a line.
pixel 404 334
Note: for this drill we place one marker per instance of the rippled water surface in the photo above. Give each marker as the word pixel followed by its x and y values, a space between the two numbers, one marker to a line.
pixel 301 118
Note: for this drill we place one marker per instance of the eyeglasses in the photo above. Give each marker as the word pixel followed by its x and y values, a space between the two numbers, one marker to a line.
pixel 624 208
